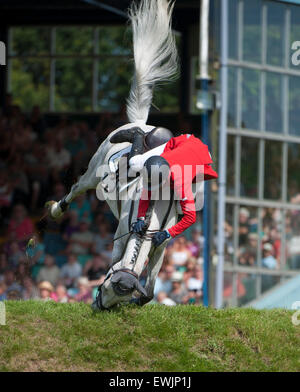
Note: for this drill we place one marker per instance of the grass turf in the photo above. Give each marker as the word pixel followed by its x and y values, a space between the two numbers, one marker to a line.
pixel 46 336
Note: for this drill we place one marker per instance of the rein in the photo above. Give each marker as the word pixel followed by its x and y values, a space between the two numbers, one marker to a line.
pixel 147 235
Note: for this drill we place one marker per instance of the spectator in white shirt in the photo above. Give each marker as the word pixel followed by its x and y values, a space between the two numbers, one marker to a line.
pixel 163 281
pixel 59 158
pixel 163 299
pixel 71 271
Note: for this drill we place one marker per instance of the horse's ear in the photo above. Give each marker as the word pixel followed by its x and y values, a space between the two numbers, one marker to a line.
pixel 140 288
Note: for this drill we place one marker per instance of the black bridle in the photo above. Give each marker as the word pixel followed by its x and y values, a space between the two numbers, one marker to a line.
pixel 117 289
pixel 147 234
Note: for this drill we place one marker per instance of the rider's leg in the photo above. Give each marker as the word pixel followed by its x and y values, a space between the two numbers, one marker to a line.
pixel 137 145
pixel 126 135
pixel 136 163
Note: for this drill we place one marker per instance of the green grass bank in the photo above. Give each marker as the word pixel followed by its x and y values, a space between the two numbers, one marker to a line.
pixel 46 336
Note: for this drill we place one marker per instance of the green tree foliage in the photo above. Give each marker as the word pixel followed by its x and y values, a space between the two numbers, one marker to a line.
pixel 85 56
pixel 30 83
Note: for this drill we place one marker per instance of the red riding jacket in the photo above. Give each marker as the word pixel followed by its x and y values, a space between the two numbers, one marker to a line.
pixel 187 157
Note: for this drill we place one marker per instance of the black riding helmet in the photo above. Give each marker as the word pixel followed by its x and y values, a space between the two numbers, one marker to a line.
pixel 157 137
pixel 156 172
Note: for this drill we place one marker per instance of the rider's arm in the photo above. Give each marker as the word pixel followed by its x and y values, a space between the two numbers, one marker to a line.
pixel 143 204
pixel 187 204
pixel 188 210
pixel 188 219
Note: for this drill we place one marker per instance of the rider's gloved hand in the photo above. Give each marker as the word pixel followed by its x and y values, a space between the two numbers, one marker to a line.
pixel 160 237
pixel 139 226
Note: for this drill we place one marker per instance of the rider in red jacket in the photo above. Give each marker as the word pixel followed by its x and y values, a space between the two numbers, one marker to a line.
pixel 179 153
pixel 184 156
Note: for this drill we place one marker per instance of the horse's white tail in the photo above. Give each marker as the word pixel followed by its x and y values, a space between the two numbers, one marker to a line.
pixel 155 53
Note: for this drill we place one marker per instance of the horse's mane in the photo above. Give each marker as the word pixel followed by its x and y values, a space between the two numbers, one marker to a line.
pixel 155 53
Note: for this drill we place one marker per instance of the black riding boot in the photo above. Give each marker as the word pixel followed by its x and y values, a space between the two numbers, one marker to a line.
pixel 133 135
pixel 137 145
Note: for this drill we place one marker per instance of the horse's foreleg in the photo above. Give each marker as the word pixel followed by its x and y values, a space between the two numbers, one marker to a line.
pixel 154 267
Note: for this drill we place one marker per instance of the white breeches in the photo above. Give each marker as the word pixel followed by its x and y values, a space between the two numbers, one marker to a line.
pixel 136 163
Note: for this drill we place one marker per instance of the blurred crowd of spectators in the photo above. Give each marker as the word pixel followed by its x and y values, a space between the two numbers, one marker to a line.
pixel 266 244
pixel 69 259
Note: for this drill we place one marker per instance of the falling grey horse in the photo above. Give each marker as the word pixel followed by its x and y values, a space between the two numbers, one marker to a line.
pixel 155 60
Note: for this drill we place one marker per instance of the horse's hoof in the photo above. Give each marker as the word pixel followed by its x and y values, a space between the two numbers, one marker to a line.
pixel 135 301
pixel 95 307
pixel 54 209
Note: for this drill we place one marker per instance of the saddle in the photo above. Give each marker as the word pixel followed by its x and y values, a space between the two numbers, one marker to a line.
pixel 142 141
pixel 113 161
pixel 113 175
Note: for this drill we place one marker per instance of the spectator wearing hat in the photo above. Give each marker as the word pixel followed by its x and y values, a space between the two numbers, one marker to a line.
pixel 45 289
pixel 178 292
pixel 194 284
pixel 84 294
pixel 268 260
